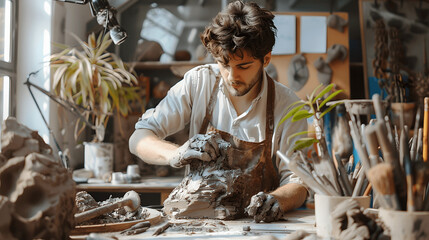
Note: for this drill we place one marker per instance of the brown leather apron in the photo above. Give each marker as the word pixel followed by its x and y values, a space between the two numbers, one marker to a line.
pixel 253 158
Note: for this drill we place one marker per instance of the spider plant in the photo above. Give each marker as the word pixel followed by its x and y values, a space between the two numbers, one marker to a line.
pixel 313 106
pixel 95 80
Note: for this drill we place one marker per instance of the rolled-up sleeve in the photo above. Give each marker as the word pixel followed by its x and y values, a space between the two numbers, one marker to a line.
pixel 173 112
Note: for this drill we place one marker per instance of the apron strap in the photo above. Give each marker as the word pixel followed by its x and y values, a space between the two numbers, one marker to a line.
pixel 210 106
pixel 269 123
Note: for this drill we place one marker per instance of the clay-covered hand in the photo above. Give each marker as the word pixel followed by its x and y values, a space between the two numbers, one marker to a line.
pixel 201 146
pixel 264 207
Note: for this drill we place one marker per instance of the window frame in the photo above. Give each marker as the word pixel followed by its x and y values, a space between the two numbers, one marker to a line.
pixel 9 68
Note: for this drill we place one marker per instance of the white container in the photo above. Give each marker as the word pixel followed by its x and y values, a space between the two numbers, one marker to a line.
pixel 324 205
pixel 98 158
pixel 404 225
pixel 133 170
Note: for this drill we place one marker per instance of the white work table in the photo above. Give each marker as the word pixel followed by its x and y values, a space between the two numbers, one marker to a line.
pixel 231 229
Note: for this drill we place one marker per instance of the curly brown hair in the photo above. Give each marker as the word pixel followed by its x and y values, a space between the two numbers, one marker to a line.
pixel 241 26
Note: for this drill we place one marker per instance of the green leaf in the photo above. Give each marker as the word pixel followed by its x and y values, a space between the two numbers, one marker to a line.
pixel 329 98
pixel 304 143
pixel 329 109
pixel 323 92
pixel 314 92
pixel 290 113
pixel 295 135
pixel 301 115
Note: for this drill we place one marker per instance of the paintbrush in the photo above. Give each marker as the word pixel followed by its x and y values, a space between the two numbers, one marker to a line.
pixel 408 170
pixel 419 149
pixel 372 144
pixel 305 176
pixel 425 129
pixel 390 156
pixel 415 135
pixel 363 155
pixel 359 184
pixel 343 177
pixel 381 178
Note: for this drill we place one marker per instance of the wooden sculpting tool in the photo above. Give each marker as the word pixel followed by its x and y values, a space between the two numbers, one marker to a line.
pixel 131 201
pixel 408 170
pixel 162 228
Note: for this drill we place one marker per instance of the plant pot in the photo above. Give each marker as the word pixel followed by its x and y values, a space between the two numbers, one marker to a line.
pixel 404 225
pixel 98 158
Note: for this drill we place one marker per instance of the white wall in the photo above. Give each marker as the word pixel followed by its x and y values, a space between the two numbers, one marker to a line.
pixel 34 36
pixel 41 23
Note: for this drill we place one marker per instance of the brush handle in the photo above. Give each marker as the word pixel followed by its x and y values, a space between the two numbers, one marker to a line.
pixel 425 129
pixel 306 177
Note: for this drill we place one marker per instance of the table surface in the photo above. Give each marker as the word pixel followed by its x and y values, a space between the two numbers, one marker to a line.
pixel 146 183
pixel 220 229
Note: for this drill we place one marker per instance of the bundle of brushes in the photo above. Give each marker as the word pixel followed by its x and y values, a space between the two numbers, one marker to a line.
pixel 394 165
pixel 327 175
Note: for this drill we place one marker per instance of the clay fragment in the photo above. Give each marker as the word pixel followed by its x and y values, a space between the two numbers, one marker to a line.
pixel 35 188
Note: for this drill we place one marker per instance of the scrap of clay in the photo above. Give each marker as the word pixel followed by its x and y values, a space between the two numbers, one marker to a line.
pixel 39 190
pixel 6 218
pixel 15 136
pixel 215 189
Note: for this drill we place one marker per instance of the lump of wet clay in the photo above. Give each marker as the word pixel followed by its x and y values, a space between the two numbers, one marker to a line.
pixel 217 189
pixel 38 191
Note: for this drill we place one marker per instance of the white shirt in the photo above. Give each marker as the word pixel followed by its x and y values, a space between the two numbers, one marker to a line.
pixel 187 101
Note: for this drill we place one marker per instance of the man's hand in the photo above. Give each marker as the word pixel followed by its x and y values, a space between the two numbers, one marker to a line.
pixel 200 146
pixel 264 207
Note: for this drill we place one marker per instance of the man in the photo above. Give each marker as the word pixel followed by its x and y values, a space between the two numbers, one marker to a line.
pixel 235 97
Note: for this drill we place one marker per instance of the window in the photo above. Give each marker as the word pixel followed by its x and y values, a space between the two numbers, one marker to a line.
pixel 7 61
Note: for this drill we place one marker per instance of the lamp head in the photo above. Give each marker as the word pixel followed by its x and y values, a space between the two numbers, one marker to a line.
pixel 106 17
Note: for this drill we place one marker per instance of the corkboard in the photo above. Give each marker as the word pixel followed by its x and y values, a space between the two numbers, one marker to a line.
pixel 340 69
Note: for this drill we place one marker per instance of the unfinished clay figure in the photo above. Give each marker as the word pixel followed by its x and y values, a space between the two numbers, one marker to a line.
pixel 35 188
pixel 215 189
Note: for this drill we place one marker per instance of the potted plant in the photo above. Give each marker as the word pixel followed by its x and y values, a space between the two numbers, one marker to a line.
pixel 97 83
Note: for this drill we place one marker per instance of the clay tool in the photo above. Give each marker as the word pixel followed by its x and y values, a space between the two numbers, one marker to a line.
pixel 305 176
pixel 419 149
pixel 343 177
pixel 381 178
pixel 408 170
pixel 130 201
pixel 324 171
pixel 367 190
pixel 162 228
pixel 425 129
pixel 359 184
pixel 137 228
pixel 415 135
pixel 363 155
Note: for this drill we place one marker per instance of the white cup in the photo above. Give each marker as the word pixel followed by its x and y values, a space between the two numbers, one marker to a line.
pixel 324 205
pixel 133 170
pixel 117 178
pixel 404 225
